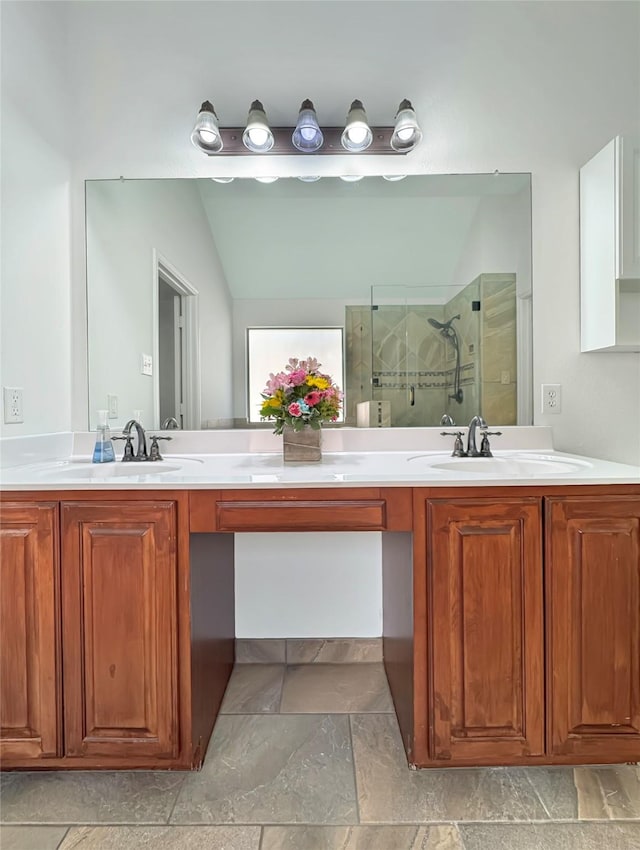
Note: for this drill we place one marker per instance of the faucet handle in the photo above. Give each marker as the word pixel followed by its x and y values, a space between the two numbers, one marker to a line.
pixel 485 448
pixel 154 451
pixel 458 448
pixel 128 447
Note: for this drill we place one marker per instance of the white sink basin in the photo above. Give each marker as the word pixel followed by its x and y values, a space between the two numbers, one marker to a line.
pixel 111 470
pixel 85 470
pixel 510 465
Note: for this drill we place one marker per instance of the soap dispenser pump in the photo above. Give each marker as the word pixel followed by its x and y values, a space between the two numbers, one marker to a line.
pixel 103 451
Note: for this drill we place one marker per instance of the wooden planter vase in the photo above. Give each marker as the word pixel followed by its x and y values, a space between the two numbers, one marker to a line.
pixel 301 446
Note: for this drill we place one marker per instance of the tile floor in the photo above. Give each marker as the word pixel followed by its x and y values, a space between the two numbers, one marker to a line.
pixel 307 756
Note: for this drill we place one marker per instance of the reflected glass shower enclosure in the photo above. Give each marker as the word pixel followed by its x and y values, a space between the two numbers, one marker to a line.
pixel 425 351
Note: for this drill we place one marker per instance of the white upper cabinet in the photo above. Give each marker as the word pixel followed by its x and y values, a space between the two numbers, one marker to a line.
pixel 610 248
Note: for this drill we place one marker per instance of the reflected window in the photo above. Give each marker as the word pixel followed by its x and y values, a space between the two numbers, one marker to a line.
pixel 269 350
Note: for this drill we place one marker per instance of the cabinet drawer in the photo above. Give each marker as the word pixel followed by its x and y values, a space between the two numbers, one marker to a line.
pixel 365 509
pixel 347 515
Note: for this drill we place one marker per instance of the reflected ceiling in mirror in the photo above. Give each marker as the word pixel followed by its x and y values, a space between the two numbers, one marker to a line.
pixel 178 269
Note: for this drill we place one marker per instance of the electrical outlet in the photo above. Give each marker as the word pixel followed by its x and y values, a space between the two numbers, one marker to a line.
pixel 112 406
pixel 505 377
pixel 12 398
pixel 551 398
pixel 146 364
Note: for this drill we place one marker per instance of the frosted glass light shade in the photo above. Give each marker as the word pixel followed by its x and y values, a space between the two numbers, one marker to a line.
pixel 357 135
pixel 257 136
pixel 406 132
pixel 307 136
pixel 206 133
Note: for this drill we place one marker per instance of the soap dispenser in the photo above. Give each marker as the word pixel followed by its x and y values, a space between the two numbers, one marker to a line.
pixel 103 451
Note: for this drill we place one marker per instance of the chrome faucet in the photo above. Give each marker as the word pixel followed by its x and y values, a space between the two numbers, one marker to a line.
pixel 476 422
pixel 141 453
pixel 170 422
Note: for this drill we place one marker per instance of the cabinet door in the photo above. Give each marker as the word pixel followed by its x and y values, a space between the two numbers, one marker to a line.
pixel 486 632
pixel 119 629
pixel 593 626
pixel 29 669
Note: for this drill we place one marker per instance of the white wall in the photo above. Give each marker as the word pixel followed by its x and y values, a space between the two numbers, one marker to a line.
pixel 126 222
pixel 514 86
pixel 499 241
pixel 35 337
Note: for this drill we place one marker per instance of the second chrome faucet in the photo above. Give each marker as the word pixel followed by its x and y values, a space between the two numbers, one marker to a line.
pixel 472 450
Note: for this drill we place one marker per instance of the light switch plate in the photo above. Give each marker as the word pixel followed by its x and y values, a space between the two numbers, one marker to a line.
pixel 146 364
pixel 112 406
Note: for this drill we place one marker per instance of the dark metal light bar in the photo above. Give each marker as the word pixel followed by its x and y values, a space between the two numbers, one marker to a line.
pixel 283 146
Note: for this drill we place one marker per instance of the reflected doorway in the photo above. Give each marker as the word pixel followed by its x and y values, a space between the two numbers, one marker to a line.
pixel 177 396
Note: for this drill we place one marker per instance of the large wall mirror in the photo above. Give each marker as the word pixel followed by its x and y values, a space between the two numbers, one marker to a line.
pixel 429 278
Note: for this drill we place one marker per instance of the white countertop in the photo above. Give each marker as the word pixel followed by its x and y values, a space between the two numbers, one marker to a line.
pixel 337 469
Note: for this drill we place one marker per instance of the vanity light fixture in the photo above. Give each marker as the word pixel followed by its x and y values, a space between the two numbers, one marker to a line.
pixel 357 135
pixel 266 179
pixel 351 178
pixel 206 133
pixel 313 178
pixel 406 131
pixel 223 179
pixel 393 178
pixel 307 138
pixel 257 136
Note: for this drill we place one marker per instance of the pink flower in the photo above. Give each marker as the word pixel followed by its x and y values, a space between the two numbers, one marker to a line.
pixel 281 381
pixel 297 377
pixel 294 409
pixel 312 398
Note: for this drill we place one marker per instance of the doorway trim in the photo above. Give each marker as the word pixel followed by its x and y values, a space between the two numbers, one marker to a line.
pixel 191 362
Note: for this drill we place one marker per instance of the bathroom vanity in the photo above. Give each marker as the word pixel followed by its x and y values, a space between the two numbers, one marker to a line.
pixel 511 608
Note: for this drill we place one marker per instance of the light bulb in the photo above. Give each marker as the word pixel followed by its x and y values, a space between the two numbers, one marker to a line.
pixel 357 135
pixel 266 179
pixel 258 136
pixel 206 133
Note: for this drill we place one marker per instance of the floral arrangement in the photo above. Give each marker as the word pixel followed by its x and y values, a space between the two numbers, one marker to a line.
pixel 299 396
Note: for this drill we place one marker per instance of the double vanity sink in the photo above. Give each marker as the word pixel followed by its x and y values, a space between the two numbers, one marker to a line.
pixel 268 469
pixel 510 587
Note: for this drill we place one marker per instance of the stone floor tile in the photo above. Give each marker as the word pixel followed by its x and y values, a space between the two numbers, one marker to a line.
pixel 333 650
pixel 31 837
pixel 273 769
pixel 611 792
pixel 89 797
pixel 556 788
pixel 335 688
pixel 260 651
pixel 441 837
pixel 162 838
pixel 253 689
pixel 388 792
pixel 551 836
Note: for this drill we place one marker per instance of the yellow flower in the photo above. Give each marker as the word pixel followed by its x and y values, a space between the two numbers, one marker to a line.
pixel 319 383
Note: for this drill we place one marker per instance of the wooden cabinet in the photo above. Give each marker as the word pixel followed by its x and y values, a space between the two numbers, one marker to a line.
pixel 119 629
pixel 610 248
pixel 485 638
pixel 593 627
pixel 29 665
pixel 117 620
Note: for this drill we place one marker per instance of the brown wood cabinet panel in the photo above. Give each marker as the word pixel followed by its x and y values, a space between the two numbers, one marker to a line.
pixel 120 629
pixel 593 626
pixel 484 568
pixel 29 665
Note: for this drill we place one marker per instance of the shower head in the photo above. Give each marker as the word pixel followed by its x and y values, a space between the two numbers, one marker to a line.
pixel 442 326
